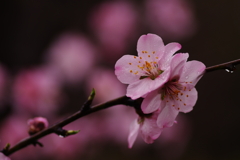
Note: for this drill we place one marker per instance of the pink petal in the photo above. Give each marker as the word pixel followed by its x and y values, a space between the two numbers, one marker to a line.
pixel 134 128
pixel 146 85
pixel 149 130
pixel 192 72
pixel 167 117
pixel 151 43
pixel 3 157
pixel 188 100
pixel 152 102
pixel 170 49
pixel 177 64
pixel 125 68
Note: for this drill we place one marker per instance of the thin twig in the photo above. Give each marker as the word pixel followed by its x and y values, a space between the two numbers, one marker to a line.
pixel 230 66
pixel 86 109
pixel 28 141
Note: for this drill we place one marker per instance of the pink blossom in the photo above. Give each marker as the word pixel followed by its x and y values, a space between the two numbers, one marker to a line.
pixel 71 56
pixel 170 18
pixel 36 91
pixel 150 70
pixel 3 157
pixel 178 94
pixel 147 126
pixel 37 124
pixel 110 20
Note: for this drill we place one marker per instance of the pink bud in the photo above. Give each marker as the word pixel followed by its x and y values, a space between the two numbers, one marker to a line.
pixel 37 124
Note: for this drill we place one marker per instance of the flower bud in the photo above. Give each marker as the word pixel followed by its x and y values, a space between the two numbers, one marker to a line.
pixel 37 124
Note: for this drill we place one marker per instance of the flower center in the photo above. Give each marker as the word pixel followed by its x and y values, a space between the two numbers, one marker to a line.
pixel 171 89
pixel 176 92
pixel 150 69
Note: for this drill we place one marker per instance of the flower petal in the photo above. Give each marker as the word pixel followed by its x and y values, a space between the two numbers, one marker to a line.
pixel 125 69
pixel 139 88
pixel 167 117
pixel 188 100
pixel 149 130
pixel 177 64
pixel 150 44
pixel 134 129
pixel 151 103
pixel 170 49
pixel 192 72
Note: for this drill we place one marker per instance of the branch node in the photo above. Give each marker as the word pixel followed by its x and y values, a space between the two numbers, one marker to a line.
pixel 87 104
pixel 37 143
pixel 62 133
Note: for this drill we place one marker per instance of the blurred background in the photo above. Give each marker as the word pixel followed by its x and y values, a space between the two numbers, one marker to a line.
pixel 54 52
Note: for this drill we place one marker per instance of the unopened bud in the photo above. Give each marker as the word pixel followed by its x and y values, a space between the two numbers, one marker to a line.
pixel 72 132
pixel 37 124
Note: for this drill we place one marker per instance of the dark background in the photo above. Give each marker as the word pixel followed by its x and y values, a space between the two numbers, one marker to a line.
pixel 30 26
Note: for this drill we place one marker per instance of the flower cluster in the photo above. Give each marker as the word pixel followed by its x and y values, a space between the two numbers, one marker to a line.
pixel 164 79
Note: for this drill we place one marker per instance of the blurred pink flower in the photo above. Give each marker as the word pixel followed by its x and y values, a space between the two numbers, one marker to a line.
pixel 36 91
pixel 148 71
pixel 147 127
pixel 3 157
pixel 37 124
pixel 172 19
pixel 72 56
pixel 106 85
pixel 178 94
pixel 115 24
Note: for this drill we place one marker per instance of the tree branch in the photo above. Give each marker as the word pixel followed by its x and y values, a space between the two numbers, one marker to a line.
pixel 228 66
pixel 55 128
pixel 86 109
